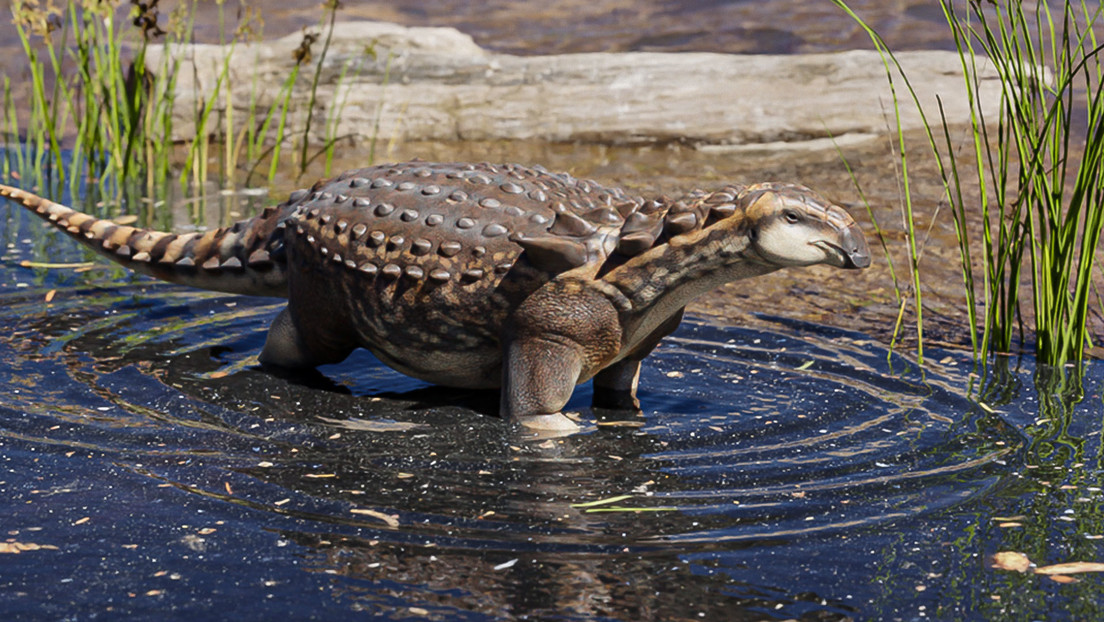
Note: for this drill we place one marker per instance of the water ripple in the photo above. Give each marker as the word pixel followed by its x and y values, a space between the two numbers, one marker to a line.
pixel 766 434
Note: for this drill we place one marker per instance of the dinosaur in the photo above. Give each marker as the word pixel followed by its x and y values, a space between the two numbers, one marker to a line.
pixel 483 275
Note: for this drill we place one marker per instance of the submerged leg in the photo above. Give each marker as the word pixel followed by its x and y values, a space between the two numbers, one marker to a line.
pixel 286 346
pixel 615 386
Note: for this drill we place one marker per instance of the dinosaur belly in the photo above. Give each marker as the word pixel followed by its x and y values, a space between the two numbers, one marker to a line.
pixel 444 332
pixel 471 369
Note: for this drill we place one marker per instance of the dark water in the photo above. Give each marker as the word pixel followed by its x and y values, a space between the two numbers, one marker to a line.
pixel 791 471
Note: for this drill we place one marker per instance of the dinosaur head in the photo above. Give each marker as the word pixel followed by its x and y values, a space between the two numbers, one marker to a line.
pixel 790 225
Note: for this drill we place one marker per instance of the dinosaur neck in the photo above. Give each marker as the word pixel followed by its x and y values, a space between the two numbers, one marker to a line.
pixel 663 280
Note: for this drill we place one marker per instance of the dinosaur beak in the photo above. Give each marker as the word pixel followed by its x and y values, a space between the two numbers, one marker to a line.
pixel 856 254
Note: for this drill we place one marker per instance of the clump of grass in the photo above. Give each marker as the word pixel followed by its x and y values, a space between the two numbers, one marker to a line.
pixel 1039 166
pixel 263 135
pixel 1040 196
pixel 94 112
pixel 97 113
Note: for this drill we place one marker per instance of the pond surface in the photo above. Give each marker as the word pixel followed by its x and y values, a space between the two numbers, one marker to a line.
pixel 790 470
pixel 569 26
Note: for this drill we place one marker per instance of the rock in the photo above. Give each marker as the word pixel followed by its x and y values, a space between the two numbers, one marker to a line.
pixel 437 84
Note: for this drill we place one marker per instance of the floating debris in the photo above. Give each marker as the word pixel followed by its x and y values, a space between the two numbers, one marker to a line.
pixel 20 547
pixel 56 266
pixel 590 504
pixel 373 425
pixel 1011 560
pixel 391 520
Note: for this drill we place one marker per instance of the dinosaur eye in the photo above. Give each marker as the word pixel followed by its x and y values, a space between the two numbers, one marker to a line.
pixel 792 217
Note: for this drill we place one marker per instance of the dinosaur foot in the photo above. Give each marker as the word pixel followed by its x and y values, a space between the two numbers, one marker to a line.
pixel 555 422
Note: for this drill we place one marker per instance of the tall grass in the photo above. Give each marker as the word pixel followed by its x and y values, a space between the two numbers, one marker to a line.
pixel 95 113
pixel 86 99
pixel 1039 166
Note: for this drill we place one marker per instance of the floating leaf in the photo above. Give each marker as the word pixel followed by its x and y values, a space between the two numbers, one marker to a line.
pixel 47 264
pixel 372 425
pixel 618 423
pixel 1011 560
pixel 19 547
pixel 618 508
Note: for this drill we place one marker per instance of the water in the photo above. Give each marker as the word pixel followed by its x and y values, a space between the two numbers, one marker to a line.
pixel 786 471
pixel 531 27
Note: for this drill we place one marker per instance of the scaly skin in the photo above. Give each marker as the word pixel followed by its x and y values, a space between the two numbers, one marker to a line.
pixel 236 259
pixel 485 275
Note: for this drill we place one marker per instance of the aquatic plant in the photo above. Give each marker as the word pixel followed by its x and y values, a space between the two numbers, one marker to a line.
pixel 1039 166
pixel 97 112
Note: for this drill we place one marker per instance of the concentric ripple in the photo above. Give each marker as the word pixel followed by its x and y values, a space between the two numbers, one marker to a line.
pixel 747 434
pixel 771 437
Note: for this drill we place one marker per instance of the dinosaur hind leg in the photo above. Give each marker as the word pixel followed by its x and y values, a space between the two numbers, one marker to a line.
pixel 286 346
pixel 615 386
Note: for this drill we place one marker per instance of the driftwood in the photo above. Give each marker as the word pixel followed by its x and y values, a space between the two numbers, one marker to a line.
pixel 437 84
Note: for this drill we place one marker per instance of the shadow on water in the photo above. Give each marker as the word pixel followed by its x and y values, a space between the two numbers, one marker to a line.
pixel 787 471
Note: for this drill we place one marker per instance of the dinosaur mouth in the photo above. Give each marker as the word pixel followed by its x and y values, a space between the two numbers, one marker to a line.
pixel 851 252
pixel 849 257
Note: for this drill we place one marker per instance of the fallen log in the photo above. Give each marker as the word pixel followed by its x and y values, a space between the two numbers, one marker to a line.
pixel 400 83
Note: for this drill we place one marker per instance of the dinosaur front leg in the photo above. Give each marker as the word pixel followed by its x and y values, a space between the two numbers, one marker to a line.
pixel 560 336
pixel 538 377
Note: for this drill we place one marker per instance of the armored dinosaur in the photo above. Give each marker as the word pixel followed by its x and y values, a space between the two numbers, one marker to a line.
pixel 482 275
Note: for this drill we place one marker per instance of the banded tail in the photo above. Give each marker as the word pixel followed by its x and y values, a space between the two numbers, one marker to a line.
pixel 245 258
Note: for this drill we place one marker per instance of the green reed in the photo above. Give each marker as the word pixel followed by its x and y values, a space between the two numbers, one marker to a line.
pixel 94 112
pixel 1039 167
pixel 90 94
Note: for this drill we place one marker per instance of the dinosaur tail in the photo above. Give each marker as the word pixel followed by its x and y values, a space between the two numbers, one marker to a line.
pixel 245 258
